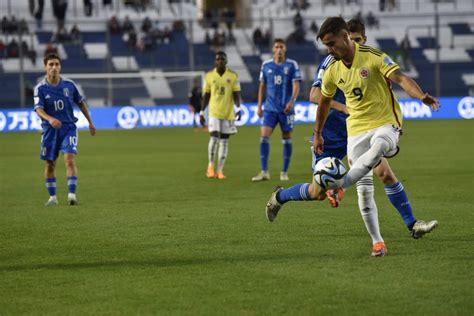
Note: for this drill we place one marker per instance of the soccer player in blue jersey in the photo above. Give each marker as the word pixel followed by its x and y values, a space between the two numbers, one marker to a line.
pixel 335 141
pixel 279 85
pixel 54 98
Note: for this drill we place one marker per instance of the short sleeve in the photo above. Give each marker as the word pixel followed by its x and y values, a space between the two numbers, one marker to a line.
pixel 38 98
pixel 262 77
pixel 328 86
pixel 296 72
pixel 386 65
pixel 236 86
pixel 77 96
pixel 207 84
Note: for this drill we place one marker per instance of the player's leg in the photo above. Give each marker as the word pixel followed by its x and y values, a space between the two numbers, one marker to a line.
pixel 214 132
pixel 399 199
pixel 383 141
pixel 50 181
pixel 69 148
pixel 286 125
pixel 356 148
pixel 49 153
pixel 227 128
pixel 269 122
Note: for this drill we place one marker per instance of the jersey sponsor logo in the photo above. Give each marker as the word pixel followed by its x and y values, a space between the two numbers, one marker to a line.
pixel 466 107
pixel 364 73
pixel 47 96
pixel 3 121
pixel 127 117
pixel 66 92
pixel 228 80
pixel 341 81
pixel 270 71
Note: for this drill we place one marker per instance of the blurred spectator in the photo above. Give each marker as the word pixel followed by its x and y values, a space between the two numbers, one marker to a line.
pixel 392 5
pixel 13 49
pixel 314 27
pixel 131 39
pixel 59 11
pixel 114 25
pixel 382 5
pixel 23 27
pixel 178 26
pixel 50 48
pixel 107 3
pixel 38 12
pixel 5 25
pixel 372 21
pixel 32 55
pixel 298 20
pixel 88 7
pixel 299 5
pixel 127 25
pixel 405 47
pixel 208 38
pixel 146 25
pixel 75 34
pixel 228 16
pixel 257 37
pixel 2 49
pixel 13 25
pixel 62 36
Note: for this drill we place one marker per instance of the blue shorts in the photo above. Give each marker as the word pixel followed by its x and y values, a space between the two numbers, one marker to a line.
pixel 339 152
pixel 53 140
pixel 271 119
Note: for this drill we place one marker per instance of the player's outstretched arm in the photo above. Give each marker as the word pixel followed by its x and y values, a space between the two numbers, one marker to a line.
pixel 315 97
pixel 321 116
pixel 413 89
pixel 84 109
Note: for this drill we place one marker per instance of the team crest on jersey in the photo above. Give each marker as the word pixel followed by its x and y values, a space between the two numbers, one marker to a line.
pixel 285 70
pixel 364 73
pixel 66 92
pixel 228 80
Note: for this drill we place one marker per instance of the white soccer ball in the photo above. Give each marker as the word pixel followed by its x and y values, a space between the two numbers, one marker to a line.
pixel 330 172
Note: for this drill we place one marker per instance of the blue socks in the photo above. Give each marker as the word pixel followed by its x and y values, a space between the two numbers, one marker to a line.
pixel 298 192
pixel 264 152
pixel 287 150
pixel 399 199
pixel 51 186
pixel 71 184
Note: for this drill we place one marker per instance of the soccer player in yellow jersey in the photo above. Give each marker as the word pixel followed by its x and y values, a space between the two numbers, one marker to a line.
pixel 364 74
pixel 221 92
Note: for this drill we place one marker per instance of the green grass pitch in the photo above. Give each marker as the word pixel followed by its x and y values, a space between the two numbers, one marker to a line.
pixel 152 235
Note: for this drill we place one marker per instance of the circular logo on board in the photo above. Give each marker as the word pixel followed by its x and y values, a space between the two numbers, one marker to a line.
pixel 127 117
pixel 364 73
pixel 465 107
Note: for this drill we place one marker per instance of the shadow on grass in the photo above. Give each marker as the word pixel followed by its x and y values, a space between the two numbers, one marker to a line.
pixel 171 262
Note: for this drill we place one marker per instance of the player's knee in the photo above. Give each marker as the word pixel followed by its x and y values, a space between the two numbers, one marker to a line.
pixel 50 165
pixel 70 162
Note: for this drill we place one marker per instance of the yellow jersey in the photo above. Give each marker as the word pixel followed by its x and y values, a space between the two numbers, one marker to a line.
pixel 221 88
pixel 369 97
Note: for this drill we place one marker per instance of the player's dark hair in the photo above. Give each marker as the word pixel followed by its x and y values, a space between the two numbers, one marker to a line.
pixel 332 25
pixel 278 40
pixel 356 26
pixel 221 53
pixel 51 56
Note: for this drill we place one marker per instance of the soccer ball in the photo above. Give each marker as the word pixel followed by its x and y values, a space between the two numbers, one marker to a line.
pixel 330 172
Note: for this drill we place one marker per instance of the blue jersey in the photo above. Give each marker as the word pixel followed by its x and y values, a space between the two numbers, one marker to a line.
pixel 58 101
pixel 278 79
pixel 334 131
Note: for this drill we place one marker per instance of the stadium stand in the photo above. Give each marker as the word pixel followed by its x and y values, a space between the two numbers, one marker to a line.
pixel 172 43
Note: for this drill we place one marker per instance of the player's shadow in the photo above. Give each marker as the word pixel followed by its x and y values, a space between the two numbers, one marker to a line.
pixel 167 262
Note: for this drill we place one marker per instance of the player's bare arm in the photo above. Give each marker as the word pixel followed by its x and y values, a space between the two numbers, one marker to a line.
pixel 294 95
pixel 205 102
pixel 261 95
pixel 413 89
pixel 315 97
pixel 321 116
pixel 236 97
pixel 48 118
pixel 84 109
